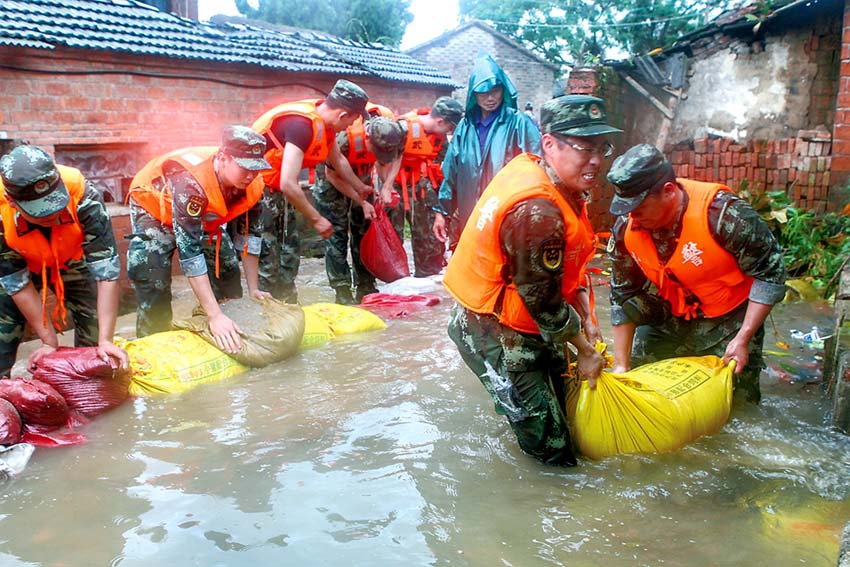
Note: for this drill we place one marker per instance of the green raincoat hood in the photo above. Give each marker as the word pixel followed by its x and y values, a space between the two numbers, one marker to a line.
pixel 485 75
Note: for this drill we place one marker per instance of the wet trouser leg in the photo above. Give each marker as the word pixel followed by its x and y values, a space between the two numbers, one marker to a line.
pixel 279 259
pixel 523 377
pixel 228 283
pixel 335 207
pixel 364 281
pixel 427 250
pixel 149 257
pixel 80 303
pixel 701 337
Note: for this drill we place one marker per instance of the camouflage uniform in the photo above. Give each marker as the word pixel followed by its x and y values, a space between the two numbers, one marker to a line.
pixel 280 256
pixel 153 243
pixel 524 373
pixel 385 137
pixel 347 220
pixel 428 252
pixel 100 262
pixel 152 248
pixel 737 228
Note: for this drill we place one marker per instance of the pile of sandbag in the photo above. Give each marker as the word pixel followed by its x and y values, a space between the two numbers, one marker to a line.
pixel 69 387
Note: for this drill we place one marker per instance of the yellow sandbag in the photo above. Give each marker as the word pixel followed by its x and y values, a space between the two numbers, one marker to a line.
pixel 343 319
pixel 654 408
pixel 270 329
pixel 175 361
pixel 316 330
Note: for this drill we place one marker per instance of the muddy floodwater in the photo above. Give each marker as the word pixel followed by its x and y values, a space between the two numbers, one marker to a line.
pixel 382 449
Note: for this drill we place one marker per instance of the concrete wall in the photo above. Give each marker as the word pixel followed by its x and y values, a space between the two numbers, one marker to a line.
pixel 456 52
pixel 775 104
pixel 762 91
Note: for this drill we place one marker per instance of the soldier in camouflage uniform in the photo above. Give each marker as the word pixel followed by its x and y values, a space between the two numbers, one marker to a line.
pixel 715 266
pixel 384 142
pixel 300 135
pixel 518 275
pixel 202 188
pixel 419 180
pixel 55 229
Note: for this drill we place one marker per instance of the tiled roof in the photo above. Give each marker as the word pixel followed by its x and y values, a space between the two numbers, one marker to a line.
pixel 133 27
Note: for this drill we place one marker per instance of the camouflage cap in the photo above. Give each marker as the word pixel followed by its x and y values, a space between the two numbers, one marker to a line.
pixel 634 174
pixel 350 97
pixel 448 109
pixel 575 115
pixel 386 137
pixel 32 181
pixel 245 146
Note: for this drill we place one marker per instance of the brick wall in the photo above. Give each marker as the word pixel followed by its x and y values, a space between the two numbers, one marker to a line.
pixel 153 105
pixel 841 130
pixel 799 166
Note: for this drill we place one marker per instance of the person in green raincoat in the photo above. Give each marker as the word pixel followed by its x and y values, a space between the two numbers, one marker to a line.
pixel 491 133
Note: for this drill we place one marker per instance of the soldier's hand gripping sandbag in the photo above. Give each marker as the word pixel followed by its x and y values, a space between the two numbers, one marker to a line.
pixel 271 330
pixel 655 408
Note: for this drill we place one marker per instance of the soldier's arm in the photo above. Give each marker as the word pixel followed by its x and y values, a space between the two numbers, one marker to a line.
pixel 102 259
pixel 351 186
pixel 99 247
pixel 737 227
pixel 740 230
pixel 188 201
pixel 628 284
pixel 290 168
pixel 533 237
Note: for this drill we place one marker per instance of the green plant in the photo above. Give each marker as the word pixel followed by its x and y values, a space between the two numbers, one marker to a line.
pixel 772 206
pixel 816 246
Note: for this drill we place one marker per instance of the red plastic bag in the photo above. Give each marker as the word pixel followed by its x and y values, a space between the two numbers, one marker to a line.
pixel 10 423
pixel 89 385
pixel 381 252
pixel 397 306
pixel 54 439
pixel 37 402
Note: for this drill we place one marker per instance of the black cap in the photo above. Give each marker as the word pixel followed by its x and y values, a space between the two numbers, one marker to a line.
pixel 634 174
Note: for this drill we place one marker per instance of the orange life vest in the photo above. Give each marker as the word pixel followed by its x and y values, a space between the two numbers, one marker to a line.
pixel 700 275
pixel 420 151
pixel 317 151
pixel 476 274
pixel 150 191
pixel 359 157
pixel 41 255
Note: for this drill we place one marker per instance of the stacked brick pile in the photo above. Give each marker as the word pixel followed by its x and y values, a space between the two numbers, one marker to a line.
pixel 800 166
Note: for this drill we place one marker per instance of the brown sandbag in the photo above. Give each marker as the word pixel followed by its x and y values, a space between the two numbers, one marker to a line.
pixel 38 403
pixel 271 330
pixel 10 423
pixel 89 384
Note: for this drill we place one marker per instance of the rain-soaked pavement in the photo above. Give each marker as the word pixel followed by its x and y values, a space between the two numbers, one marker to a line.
pixel 383 449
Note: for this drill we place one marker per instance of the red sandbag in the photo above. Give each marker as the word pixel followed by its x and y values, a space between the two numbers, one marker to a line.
pixel 381 252
pixel 52 439
pixel 397 306
pixel 37 402
pixel 10 424
pixel 89 385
